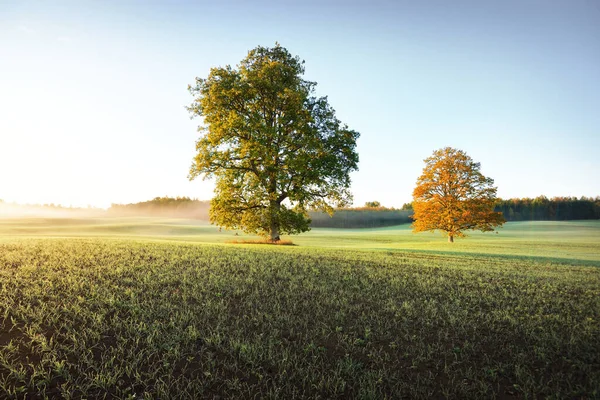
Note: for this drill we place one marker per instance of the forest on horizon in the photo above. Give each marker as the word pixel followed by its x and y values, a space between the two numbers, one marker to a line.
pixel 540 208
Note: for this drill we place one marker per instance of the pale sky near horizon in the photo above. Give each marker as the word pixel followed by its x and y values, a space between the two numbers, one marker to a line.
pixel 93 93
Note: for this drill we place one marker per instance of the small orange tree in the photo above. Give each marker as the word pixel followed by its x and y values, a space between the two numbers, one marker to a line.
pixel 453 196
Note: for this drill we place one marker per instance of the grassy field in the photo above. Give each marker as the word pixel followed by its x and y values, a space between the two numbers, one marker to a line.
pixel 148 308
pixel 572 242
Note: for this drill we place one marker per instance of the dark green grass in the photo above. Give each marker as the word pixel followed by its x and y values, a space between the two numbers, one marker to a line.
pixel 93 318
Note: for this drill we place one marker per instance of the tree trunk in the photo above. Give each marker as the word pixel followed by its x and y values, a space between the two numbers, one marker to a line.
pixel 274 232
pixel 450 238
pixel 274 210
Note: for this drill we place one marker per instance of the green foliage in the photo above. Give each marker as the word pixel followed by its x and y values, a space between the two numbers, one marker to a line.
pixel 275 149
pixel 407 207
pixel 372 204
pixel 143 319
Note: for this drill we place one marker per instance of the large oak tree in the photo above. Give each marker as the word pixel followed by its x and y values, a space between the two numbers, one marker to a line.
pixel 273 146
pixel 453 196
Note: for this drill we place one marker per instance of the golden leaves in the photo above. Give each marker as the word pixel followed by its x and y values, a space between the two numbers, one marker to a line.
pixel 453 196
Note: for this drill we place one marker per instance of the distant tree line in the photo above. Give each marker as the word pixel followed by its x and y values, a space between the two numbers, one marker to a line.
pixel 373 215
pixel 542 208
pixel 177 207
pixel 360 218
pixel 49 206
pixel 47 210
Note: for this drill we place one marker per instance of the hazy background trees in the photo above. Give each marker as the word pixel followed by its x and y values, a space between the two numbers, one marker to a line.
pixel 540 208
pixel 361 217
pixel 516 209
pixel 175 207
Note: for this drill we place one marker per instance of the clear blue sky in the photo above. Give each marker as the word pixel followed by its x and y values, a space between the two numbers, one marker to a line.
pixel 92 93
